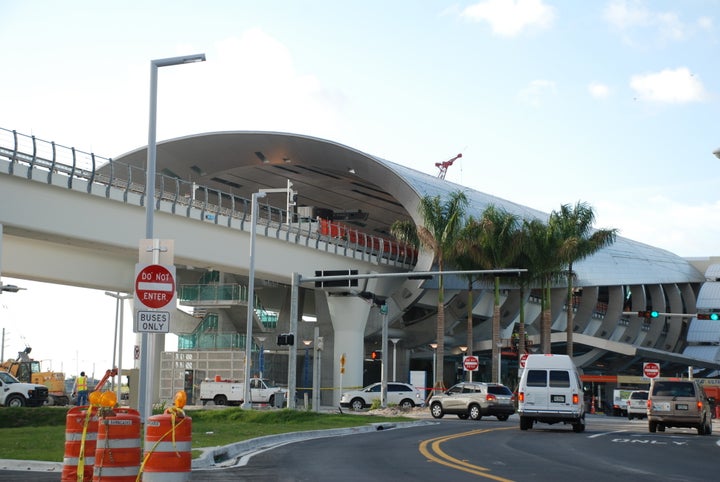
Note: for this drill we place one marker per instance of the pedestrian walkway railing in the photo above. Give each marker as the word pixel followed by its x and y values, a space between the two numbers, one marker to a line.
pixel 57 165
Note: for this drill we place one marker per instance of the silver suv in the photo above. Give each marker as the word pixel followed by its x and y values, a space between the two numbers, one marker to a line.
pixel 474 400
pixel 678 403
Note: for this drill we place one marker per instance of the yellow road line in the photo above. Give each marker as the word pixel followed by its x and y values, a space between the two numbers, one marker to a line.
pixel 431 449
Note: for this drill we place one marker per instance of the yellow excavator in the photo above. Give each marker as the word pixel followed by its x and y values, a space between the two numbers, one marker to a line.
pixel 28 370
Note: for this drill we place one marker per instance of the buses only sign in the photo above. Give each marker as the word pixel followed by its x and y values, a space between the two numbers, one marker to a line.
pixel 154 291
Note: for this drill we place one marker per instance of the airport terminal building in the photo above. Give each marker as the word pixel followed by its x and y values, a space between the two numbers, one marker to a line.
pixel 328 206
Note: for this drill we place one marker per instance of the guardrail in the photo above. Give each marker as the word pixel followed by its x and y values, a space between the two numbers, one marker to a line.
pixel 57 164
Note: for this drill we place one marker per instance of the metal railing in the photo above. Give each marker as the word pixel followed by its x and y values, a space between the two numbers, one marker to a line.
pixel 56 164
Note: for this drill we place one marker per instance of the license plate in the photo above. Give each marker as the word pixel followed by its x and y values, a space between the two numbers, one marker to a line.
pixel 557 398
pixel 681 406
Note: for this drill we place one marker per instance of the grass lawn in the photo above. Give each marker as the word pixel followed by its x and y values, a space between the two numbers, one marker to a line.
pixel 39 433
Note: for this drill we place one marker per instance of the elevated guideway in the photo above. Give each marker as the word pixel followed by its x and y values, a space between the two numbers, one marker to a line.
pixel 77 219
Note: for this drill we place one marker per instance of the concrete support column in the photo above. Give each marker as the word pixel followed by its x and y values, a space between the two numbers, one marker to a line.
pixel 349 315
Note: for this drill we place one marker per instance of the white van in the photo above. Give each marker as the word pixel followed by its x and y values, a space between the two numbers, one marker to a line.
pixel 551 392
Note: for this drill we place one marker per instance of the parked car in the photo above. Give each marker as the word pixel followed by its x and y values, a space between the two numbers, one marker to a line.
pixel 474 400
pixel 400 394
pixel 637 404
pixel 678 403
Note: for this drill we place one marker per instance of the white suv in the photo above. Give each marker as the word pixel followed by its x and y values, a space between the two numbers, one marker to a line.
pixel 637 404
pixel 400 394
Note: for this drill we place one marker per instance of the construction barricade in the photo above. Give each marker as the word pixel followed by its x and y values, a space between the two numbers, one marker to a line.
pixel 168 441
pixel 118 451
pixel 81 429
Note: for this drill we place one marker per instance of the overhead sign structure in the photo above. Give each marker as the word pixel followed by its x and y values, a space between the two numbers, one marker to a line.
pixel 154 290
pixel 651 370
pixel 471 363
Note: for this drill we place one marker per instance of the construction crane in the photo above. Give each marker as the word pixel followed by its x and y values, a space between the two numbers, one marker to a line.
pixel 443 166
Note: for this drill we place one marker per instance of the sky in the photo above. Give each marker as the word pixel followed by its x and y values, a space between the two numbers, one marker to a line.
pixel 611 102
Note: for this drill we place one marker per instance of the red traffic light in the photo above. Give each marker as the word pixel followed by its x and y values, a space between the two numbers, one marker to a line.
pixel 374 355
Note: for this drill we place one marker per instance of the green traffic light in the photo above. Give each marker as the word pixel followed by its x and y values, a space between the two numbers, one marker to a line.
pixel 714 316
pixel 654 314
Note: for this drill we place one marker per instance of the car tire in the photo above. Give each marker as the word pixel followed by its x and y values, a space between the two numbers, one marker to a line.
pixel 525 423
pixel 15 401
pixel 630 417
pixel 220 400
pixel 407 403
pixel 357 404
pixel 502 418
pixel 463 416
pixel 579 427
pixel 474 412
pixel 436 410
pixel 652 426
pixel 661 427
pixel 708 427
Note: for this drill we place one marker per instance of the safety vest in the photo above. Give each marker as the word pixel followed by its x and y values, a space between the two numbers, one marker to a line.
pixel 81 383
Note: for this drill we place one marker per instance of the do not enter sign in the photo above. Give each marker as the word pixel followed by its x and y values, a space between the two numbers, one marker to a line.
pixel 155 286
pixel 651 370
pixel 471 363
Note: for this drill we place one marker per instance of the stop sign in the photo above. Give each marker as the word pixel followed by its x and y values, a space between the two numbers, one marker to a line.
pixel 651 370
pixel 155 285
pixel 471 363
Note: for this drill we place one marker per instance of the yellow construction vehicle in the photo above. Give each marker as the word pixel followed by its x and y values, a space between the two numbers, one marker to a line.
pixel 28 370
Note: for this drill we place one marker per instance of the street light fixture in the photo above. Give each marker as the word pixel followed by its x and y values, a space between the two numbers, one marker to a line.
pixel 716 152
pixel 147 340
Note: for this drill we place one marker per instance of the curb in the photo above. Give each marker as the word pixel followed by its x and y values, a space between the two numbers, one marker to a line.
pixel 237 453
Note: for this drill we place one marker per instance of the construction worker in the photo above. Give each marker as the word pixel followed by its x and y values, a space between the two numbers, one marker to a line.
pixel 81 389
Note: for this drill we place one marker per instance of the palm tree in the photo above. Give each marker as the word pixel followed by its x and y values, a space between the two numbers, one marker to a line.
pixel 573 225
pixel 442 224
pixel 541 246
pixel 493 244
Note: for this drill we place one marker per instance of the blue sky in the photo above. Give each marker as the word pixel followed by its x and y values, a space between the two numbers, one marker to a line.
pixel 615 103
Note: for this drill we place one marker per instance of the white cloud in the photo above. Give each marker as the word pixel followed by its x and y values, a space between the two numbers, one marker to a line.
pixel 536 92
pixel 686 229
pixel 677 86
pixel 705 23
pixel 509 18
pixel 598 90
pixel 631 15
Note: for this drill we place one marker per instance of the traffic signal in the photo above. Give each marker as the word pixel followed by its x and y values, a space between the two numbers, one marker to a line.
pixel 374 355
pixel 286 339
pixel 708 316
pixel 648 314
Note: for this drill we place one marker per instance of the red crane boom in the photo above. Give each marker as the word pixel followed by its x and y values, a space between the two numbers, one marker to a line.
pixel 443 166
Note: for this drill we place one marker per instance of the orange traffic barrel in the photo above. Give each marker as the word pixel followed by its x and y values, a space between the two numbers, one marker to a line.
pixel 117 456
pixel 168 441
pixel 81 426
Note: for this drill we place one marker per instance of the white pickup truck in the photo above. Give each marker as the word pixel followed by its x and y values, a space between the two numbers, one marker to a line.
pixel 226 392
pixel 14 393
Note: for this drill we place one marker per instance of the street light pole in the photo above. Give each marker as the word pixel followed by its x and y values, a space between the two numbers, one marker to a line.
pixel 434 348
pixel 147 341
pixel 384 366
pixel 117 347
pixel 247 403
pixel 394 342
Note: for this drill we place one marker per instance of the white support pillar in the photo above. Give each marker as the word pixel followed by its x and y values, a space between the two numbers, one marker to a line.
pixel 349 315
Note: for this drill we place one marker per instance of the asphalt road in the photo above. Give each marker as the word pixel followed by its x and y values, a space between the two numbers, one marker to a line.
pixel 461 450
